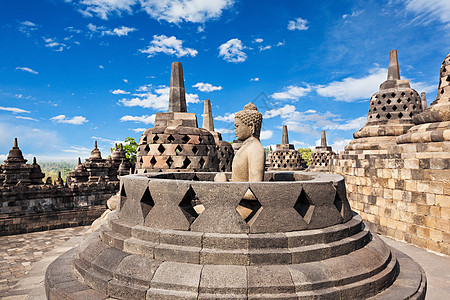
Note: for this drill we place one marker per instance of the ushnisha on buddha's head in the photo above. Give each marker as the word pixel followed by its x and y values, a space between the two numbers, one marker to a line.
pixel 247 122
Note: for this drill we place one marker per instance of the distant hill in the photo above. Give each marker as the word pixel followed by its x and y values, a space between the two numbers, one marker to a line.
pixel 51 169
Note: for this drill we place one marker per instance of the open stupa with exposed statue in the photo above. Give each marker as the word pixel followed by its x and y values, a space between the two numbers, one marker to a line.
pixel 300 241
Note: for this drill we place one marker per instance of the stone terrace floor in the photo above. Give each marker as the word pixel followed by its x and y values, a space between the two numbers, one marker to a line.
pixel 25 257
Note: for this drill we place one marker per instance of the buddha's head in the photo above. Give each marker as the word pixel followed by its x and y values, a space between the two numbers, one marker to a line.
pixel 247 122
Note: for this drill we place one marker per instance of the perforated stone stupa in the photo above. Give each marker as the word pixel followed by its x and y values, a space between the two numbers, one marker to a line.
pixel 322 156
pixel 285 157
pixel 225 151
pixel 176 143
pixel 391 110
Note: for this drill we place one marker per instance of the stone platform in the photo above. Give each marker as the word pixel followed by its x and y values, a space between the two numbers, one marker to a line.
pixel 302 242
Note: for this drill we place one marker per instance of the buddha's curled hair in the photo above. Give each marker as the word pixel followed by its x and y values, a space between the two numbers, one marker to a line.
pixel 250 116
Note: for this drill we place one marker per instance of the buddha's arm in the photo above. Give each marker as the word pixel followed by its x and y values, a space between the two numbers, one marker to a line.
pixel 256 161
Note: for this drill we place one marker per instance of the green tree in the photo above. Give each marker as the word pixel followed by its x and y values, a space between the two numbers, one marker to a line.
pixel 306 155
pixel 130 146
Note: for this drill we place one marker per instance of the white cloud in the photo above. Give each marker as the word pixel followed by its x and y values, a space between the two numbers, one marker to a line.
pixel 83 151
pixel 77 120
pixel 54 44
pixel 27 27
pixel 258 40
pixel 423 87
pixel 206 87
pixel 138 129
pixel 26 118
pixel 195 11
pixel 353 124
pixel 105 8
pixel 229 117
pixel 263 48
pixel 119 92
pixel 353 14
pixel 352 89
pixel 265 134
pixel 146 119
pixel 299 144
pixel 224 130
pixel 339 144
pixel 72 29
pixel 298 24
pixel 281 43
pixel 119 31
pixel 254 79
pixel 430 10
pixel 282 111
pixel 157 98
pixel 231 51
pixel 25 69
pixel 125 80
pixel 14 110
pixel 101 67
pixel 292 92
pixel 168 45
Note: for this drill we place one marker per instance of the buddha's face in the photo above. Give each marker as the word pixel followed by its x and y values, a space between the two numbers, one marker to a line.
pixel 242 131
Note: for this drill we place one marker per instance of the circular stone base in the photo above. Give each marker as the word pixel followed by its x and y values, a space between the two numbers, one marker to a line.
pixel 225 282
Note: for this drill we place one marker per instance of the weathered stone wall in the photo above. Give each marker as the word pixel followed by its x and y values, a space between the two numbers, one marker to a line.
pixel 44 207
pixel 404 192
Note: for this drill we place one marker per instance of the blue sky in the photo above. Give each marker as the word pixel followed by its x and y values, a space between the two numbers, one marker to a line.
pixel 76 71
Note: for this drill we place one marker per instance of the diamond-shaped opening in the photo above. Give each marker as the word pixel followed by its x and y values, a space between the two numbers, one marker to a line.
pixel 405 107
pixel 374 109
pixel 141 160
pixel 147 148
pixel 303 207
pixel 194 149
pixel 169 162
pixel 178 150
pixel 399 100
pixel 414 106
pixel 388 101
pixel 409 99
pixel 379 102
pixel 123 196
pixel 410 114
pixel 403 94
pixel 202 162
pixel 442 90
pixel 383 108
pixel 161 149
pixel 187 205
pixel 146 203
pixel 223 168
pixel 384 95
pixel 393 95
pixel 185 139
pixel 153 161
pixel 155 138
pixel 388 115
pixel 195 178
pixel 249 207
pixel 170 139
pixel 186 163
pixel 400 115
pixel 448 78
pixel 338 203
pixel 200 140
pixel 394 108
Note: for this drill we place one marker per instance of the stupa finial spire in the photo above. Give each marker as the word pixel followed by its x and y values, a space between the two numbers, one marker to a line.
pixel 285 137
pixel 393 71
pixel 208 123
pixel 16 143
pixel 323 140
pixel 177 97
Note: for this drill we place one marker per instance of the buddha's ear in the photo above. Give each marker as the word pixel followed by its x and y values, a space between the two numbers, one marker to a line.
pixel 253 129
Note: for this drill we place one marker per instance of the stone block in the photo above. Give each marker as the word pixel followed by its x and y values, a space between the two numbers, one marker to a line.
pixel 269 280
pixel 176 253
pixel 225 257
pixel 223 280
pixel 323 216
pixel 135 269
pixel 181 238
pixel 146 233
pixel 126 291
pixel 108 260
pixel 139 247
pixel 307 276
pixel 225 241
pixel 177 277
